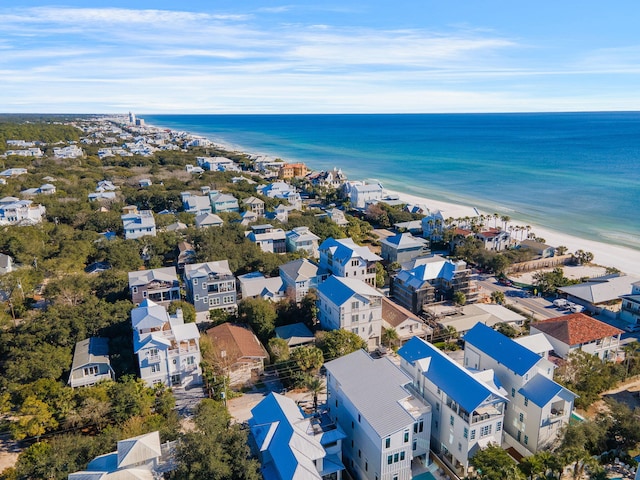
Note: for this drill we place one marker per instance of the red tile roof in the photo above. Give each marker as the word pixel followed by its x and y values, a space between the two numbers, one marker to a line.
pixel 576 328
pixel 394 314
pixel 237 340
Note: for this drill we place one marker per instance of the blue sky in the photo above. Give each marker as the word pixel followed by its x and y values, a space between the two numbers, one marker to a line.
pixel 319 57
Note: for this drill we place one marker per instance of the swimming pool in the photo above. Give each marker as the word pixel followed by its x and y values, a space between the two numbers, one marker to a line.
pixel 425 476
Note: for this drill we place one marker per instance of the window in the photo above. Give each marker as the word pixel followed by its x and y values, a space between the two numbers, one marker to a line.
pixel 135 289
pixel 93 370
pixel 484 431
pixel 191 360
pixel 366 466
pixel 436 424
pixel 353 426
pixel 498 426
pixel 195 281
pixel 354 318
pixel 526 401
pixel 196 298
pixel 406 436
pixel 415 445
pixel 421 426
pixel 395 458
pixel 227 299
pixel 355 305
pixel 389 459
pixel 451 420
pixel 437 406
pixel 473 434
pixel 387 442
pixel 526 439
pixel 459 447
pixel 513 392
pixel 415 428
pixel 359 453
pixel 354 263
pixel 213 301
pixel 521 417
pixel 465 433
pixel 401 456
pixel 155 368
pixel 359 418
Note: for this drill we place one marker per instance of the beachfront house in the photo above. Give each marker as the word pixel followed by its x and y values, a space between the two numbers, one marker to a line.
pixel 363 195
pixel 210 286
pixel 539 408
pixel 600 295
pixel 539 249
pixel 432 278
pixel 344 258
pixel 387 426
pixel 353 305
pixel 468 407
pixel 578 331
pixel 494 239
pixel 630 311
pixel 160 285
pixel 168 349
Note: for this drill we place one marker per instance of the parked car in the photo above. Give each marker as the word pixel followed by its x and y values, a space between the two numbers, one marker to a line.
pixel 576 308
pixel 560 302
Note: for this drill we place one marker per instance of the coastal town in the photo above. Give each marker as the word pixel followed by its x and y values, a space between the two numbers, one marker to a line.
pixel 171 308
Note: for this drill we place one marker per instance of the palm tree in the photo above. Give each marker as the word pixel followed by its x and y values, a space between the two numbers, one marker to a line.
pixel 495 220
pixel 389 337
pixel 505 219
pixel 315 386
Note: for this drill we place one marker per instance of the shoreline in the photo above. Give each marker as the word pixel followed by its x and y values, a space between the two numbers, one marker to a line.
pixel 625 259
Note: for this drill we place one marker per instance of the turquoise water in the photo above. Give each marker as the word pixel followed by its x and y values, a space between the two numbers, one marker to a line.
pixel 573 172
pixel 425 476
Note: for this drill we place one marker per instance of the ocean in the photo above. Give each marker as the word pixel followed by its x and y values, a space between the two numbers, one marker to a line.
pixel 577 173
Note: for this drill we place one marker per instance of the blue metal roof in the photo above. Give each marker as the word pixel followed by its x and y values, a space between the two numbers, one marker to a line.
pixel 502 349
pixel 447 375
pixel 541 390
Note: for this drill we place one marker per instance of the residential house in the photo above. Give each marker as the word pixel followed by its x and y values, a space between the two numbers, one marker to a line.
pixel 6 264
pixel 210 286
pixel 206 220
pixel 29 152
pixel 292 170
pixel 70 151
pixel 44 189
pixel 494 239
pixel 491 315
pixel 301 238
pixel 283 191
pixel 196 204
pixel 328 179
pixel 468 407
pixel 294 446
pixel 194 170
pixel 145 182
pixel 186 255
pixel 600 295
pixel 337 217
pixel 168 349
pixel 539 408
pixel 343 258
pixel 402 247
pixel 218 164
pixel 432 278
pixel 353 305
pixel 296 335
pixel 20 212
pixel 159 285
pixel 541 250
pixel 138 224
pixel 578 331
pixel 386 424
pixel 223 202
pixel 406 324
pixel 248 217
pixel 299 276
pixel 414 227
pixel 101 196
pixel 141 457
pixel 255 205
pixel 13 172
pixel 280 213
pixel 239 351
pixel 269 239
pixel 629 313
pixel 175 226
pixel 90 363
pixel 363 195
pixel 432 224
pixel 256 285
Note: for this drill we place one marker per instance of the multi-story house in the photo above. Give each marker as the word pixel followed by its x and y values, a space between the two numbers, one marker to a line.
pixel 255 205
pixel 630 311
pixel 433 224
pixel 301 238
pixel 363 195
pixel 138 224
pixel 402 248
pixel 168 349
pixel 337 217
pixel 328 179
pixel 159 285
pixel 468 407
pixel 386 425
pixel 6 264
pixel 210 286
pixel 196 204
pixel 91 363
pixel 206 220
pixel 269 239
pixel 539 408
pixel 432 278
pixel 292 170
pixel 353 305
pixel 14 211
pixel 223 202
pixel 278 431
pixel 283 191
pixel 343 258
pixel 494 239
pixel 300 276
pixel 406 324
pixel 578 331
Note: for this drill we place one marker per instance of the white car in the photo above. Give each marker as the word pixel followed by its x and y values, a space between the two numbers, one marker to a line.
pixel 573 308
pixel 560 302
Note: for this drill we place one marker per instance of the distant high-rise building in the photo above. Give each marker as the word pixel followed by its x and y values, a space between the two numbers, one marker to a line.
pixel 132 118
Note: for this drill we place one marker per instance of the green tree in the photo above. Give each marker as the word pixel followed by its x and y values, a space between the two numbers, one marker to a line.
pixel 459 298
pixel 188 310
pixel 260 314
pixel 34 418
pixel 279 350
pixel 498 297
pixel 494 463
pixel 389 337
pixel 315 386
pixel 338 343
pixel 308 359
pixel 507 330
pixel 381 275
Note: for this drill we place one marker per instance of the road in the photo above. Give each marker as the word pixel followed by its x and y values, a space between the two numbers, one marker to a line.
pixel 539 307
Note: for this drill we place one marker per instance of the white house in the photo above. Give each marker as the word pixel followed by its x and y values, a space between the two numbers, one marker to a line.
pixel 362 195
pixel 386 425
pixel 20 212
pixel 196 204
pixel 6 264
pixel 539 408
pixel 138 224
pixel 630 312
pixel 71 151
pixel 300 276
pixel 168 349
pixel 353 305
pixel 343 258
pixel 205 220
pixel 468 407
pixel 301 238
pixel 256 285
pixel 269 239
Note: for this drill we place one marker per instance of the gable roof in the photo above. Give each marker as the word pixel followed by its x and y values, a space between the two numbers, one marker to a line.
pixel 501 348
pixel 148 315
pixel 90 350
pixel 395 314
pixel 237 340
pixel 576 329
pixel 453 379
pixel 295 334
pixel 375 387
pixel 600 290
pixel 340 289
pixel 144 277
pixel 344 249
pixel 139 449
pixel 199 270
pixel 300 269
pixel 403 241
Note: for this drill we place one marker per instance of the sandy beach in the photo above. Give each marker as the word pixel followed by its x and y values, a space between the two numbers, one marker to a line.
pixel 624 259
